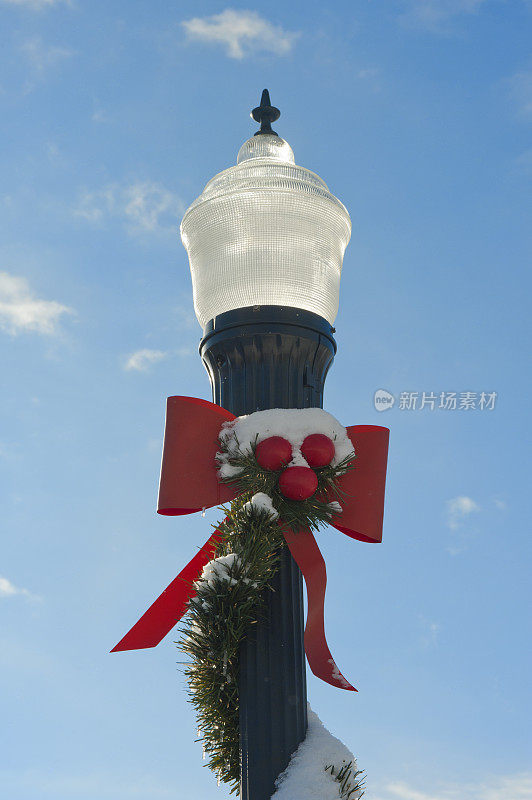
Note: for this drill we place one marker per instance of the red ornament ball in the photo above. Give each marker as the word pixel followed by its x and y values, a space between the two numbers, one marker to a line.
pixel 318 450
pixel 273 453
pixel 298 483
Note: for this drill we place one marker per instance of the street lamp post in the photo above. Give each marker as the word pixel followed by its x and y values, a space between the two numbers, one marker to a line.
pixel 265 241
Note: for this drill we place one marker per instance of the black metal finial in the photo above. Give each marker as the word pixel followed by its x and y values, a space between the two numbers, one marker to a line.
pixel 265 114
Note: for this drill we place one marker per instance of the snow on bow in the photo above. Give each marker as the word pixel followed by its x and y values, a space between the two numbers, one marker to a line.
pixel 192 475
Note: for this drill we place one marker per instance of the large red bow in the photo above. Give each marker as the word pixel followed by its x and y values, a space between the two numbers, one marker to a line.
pixel 189 483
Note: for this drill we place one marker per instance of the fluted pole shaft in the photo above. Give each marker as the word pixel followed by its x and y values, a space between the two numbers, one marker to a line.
pixel 259 358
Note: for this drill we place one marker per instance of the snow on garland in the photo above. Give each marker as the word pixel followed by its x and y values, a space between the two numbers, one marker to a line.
pixel 322 768
pixel 293 424
pixel 261 502
pixel 285 463
pixel 261 452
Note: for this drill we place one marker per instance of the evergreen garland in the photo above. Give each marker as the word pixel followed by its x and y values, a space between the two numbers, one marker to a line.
pixel 218 619
pixel 350 780
pixel 230 601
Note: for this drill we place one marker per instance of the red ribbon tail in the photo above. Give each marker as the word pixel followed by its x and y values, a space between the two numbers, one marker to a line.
pixel 171 605
pixel 309 559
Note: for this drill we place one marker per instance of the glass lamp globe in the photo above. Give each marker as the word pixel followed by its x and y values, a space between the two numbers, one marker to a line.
pixel 265 232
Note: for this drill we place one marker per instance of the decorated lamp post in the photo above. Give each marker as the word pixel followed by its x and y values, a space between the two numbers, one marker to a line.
pixel 265 241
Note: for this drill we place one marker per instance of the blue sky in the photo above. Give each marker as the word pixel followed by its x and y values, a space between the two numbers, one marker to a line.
pixel 418 115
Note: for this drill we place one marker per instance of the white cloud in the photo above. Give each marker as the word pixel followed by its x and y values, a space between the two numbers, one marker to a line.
pixel 42 56
pixel 8 589
pixel 146 203
pixel 508 787
pixel 144 206
pixel 515 787
pixel 241 32
pixel 437 15
pixel 458 509
pixel 21 311
pixel 141 360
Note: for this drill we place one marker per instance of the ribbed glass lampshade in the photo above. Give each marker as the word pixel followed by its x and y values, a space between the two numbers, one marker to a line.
pixel 265 232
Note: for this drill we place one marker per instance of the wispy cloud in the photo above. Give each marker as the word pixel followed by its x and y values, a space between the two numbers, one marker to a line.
pixel 21 311
pixel 368 72
pixel 508 787
pixel 522 164
pixel 44 783
pixel 406 792
pixel 185 315
pixel 431 631
pixel 458 509
pixel 184 352
pixel 520 87
pixel 42 56
pixel 8 589
pixel 241 33
pixel 141 360
pixel 35 5
pixel 98 115
pixel 144 206
pixel 438 16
